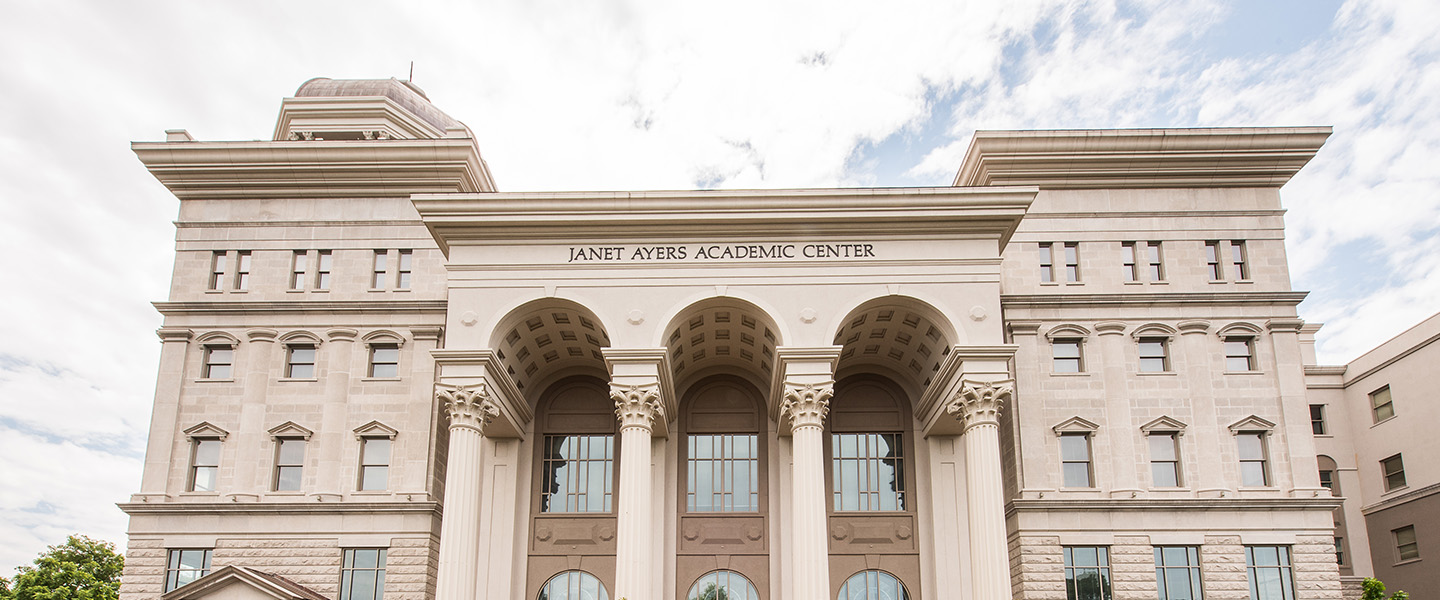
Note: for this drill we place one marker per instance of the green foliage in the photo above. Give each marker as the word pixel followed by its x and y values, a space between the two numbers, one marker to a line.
pixel 79 569
pixel 1374 589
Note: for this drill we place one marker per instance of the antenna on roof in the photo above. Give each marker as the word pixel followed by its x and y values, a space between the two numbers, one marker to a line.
pixel 412 72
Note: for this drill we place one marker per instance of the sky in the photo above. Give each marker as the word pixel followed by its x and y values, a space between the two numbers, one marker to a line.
pixel 664 94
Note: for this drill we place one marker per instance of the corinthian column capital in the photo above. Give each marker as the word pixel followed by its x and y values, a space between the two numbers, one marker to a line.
pixel 806 404
pixel 979 402
pixel 468 406
pixel 637 405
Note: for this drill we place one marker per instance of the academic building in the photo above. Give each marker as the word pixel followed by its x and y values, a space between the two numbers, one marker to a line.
pixel 1076 373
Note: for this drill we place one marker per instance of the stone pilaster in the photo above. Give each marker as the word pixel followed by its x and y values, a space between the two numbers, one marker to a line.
pixel 1120 433
pixel 1210 480
pixel 977 406
pixel 175 343
pixel 250 476
pixel 638 407
pixel 469 410
pixel 805 406
pixel 334 412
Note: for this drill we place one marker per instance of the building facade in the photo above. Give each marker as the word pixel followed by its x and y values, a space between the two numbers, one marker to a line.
pixel 1078 372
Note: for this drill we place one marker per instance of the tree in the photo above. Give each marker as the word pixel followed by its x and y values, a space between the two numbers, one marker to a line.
pixel 1374 589
pixel 79 569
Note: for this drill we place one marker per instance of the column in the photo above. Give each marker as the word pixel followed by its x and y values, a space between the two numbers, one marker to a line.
pixel 175 341
pixel 977 407
pixel 250 475
pixel 638 407
pixel 332 433
pixel 470 410
pixel 1121 429
pixel 1210 480
pixel 805 405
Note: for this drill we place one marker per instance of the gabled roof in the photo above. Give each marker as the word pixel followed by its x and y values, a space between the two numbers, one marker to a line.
pixel 265 585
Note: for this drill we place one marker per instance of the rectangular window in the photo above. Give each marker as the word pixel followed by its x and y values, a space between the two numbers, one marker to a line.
pixel 204 464
pixel 242 270
pixel 1072 261
pixel 724 473
pixel 1394 470
pixel 289 463
pixel 362 574
pixel 1405 545
pixel 322 270
pixel 1153 265
pixel 1132 269
pixel 1339 551
pixel 402 281
pixel 1381 406
pixel 1067 356
pixel 300 361
pixel 1142 261
pixel 298 262
pixel 217 362
pixel 377 280
pixel 579 474
pixel 1212 261
pixel 1327 481
pixel 1254 472
pixel 1317 419
pixel 1154 355
pixel 185 566
pixel 1075 459
pixel 1177 572
pixel 1239 354
pixel 1237 256
pixel 1164 460
pixel 217 270
pixel 1047 263
pixel 1087 573
pixel 374 464
pixel 1269 571
pixel 385 360
pixel 868 471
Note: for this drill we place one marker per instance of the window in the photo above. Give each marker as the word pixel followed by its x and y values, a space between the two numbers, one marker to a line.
pixel 1177 572
pixel 377 280
pixel 1269 571
pixel 1381 407
pixel 1212 261
pixel 1154 355
pixel 402 280
pixel 217 270
pixel 1164 460
pixel 1075 459
pixel 242 270
pixel 1047 263
pixel 300 361
pixel 185 566
pixel 204 464
pixel 1142 261
pixel 374 464
pixel 724 473
pixel 1254 472
pixel 1237 257
pixel 1394 470
pixel 579 473
pixel 1067 356
pixel 872 585
pixel 298 262
pixel 1317 419
pixel 385 360
pixel 362 574
pixel 289 463
pixel 725 585
pixel 868 471
pixel 1132 271
pixel 322 270
pixel 1406 547
pixel 217 362
pixel 1339 551
pixel 1327 481
pixel 1239 354
pixel 1048 260
pixel 1087 573
pixel 573 585
pixel 1072 262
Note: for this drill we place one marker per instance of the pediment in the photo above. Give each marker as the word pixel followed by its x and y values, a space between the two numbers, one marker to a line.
pixel 1163 424
pixel 232 582
pixel 290 429
pixel 205 429
pixel 1251 423
pixel 1076 425
pixel 375 429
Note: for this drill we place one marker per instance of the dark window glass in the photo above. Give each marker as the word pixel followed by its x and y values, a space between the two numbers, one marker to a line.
pixel 385 360
pixel 300 362
pixel 218 362
pixel 1239 354
pixel 579 473
pixel 204 464
pixel 1154 355
pixel 185 566
pixel 724 473
pixel 1405 545
pixel 1269 571
pixel 1394 470
pixel 1317 419
pixel 1087 573
pixel 362 574
pixel 868 471
pixel 1067 356
pixel 1381 406
pixel 1047 263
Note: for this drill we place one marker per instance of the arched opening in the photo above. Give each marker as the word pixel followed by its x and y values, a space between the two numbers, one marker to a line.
pixel 722 334
pixel 573 585
pixel 873 585
pixel 899 336
pixel 723 585
pixel 545 340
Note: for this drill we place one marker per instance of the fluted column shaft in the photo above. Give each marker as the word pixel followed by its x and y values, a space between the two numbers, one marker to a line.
pixel 637 407
pixel 978 407
pixel 470 411
pixel 806 406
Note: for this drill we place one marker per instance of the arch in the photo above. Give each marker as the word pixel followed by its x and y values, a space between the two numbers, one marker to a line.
pixel 896 335
pixel 723 584
pixel 575 437
pixel 723 459
pixel 217 338
pixel 721 332
pixel 1067 331
pixel 1154 330
pixel 873 584
pixel 1240 328
pixel 760 304
pixel 300 336
pixel 547 339
pixel 573 585
pixel 869 448
pixel 383 336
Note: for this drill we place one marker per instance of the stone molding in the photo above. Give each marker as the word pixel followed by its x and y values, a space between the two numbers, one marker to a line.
pixel 980 402
pixel 290 429
pixel 1196 326
pixel 637 405
pixel 1075 301
pixel 1251 423
pixel 1075 425
pixel 204 430
pixel 1164 424
pixel 467 406
pixel 174 334
pixel 807 404
pixel 375 429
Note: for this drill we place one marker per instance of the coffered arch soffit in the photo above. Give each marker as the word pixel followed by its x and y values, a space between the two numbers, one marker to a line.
pixel 901 337
pixel 722 334
pixel 547 339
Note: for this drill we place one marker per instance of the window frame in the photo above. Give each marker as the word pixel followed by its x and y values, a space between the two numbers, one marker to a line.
pixel 1389 471
pixel 299 266
pixel 208 364
pixel 364 464
pixel 291 359
pixel 1129 260
pixel 348 571
pixel 1072 262
pixel 192 474
pixel 174 558
pixel 242 270
pixel 869 466
pixel 581 468
pixel 1078 359
pixel 1248 356
pixel 324 262
pixel 1102 567
pixel 1262 438
pixel 1212 261
pixel 1399 536
pixel 1240 259
pixel 1388 404
pixel 1318 425
pixel 1173 437
pixel 404 264
pixel 729 576
pixel 280 465
pixel 373 361
pixel 1163 357
pixel 578 588
pixel 380 269
pixel 1285 569
pixel 1192 568
pixel 1089 460
pixel 218 267
pixel 868 577
pixel 1047 263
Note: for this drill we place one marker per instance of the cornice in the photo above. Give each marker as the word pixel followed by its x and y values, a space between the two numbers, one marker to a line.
pixel 1410 496
pixel 1183 504
pixel 1161 299
pixel 1264 157
pixel 301 306
pixel 270 508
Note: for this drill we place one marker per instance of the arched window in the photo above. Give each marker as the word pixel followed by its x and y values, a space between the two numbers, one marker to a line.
pixel 873 585
pixel 868 449
pixel 722 450
pixel 573 585
pixel 577 451
pixel 723 585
